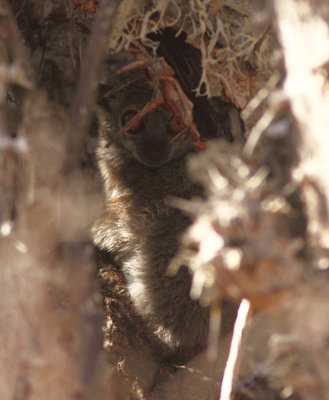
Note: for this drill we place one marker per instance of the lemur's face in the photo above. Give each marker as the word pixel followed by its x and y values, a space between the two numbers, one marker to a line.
pixel 150 139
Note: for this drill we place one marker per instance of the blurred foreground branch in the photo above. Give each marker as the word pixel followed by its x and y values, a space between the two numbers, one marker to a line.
pixel 304 33
pixel 50 322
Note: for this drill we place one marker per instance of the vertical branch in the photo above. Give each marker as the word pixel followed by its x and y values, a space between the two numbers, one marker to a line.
pixel 48 317
pixel 304 33
pixel 86 92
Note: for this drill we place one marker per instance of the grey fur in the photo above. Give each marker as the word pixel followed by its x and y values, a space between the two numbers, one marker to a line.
pixel 140 230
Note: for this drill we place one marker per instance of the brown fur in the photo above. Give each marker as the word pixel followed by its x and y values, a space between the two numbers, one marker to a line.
pixel 140 230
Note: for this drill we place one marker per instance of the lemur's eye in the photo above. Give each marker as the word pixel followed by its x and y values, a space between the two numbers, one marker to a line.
pixel 176 125
pixel 137 127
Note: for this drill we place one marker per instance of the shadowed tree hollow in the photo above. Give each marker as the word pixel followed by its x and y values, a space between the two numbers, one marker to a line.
pixel 164 196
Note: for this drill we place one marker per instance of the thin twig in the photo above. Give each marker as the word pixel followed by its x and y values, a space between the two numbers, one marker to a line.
pixel 232 360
